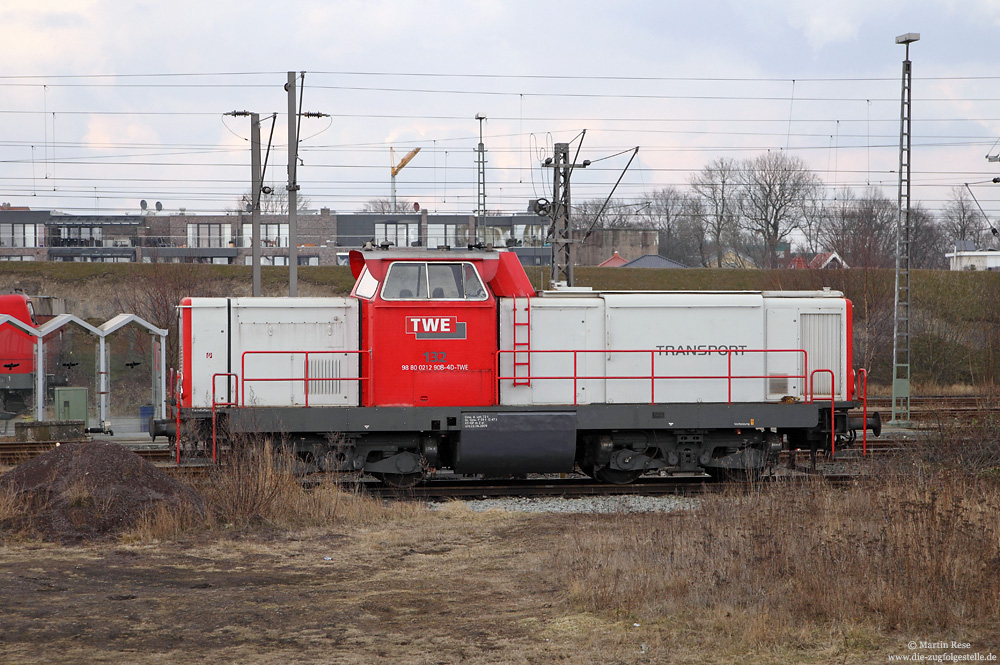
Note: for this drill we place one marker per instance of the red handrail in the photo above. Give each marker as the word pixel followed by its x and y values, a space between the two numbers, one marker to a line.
pixel 305 379
pixel 177 416
pixel 217 403
pixel 833 395
pixel 652 376
pixel 864 411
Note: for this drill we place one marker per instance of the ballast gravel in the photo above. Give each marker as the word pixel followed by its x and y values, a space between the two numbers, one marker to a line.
pixel 596 504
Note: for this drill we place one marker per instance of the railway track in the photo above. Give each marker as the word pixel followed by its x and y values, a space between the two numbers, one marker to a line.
pixel 162 454
pixel 939 407
pixel 15 452
pixel 572 487
pixel 444 489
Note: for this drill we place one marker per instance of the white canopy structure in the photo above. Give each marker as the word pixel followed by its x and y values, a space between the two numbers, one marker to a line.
pixel 101 332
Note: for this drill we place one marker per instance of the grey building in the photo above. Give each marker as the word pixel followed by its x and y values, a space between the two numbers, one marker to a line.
pixel 324 237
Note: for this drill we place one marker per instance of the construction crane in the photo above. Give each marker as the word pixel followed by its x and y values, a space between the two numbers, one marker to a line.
pixel 399 167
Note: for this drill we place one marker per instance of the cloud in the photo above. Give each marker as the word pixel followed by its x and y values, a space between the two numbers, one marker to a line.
pixel 42 40
pixel 822 24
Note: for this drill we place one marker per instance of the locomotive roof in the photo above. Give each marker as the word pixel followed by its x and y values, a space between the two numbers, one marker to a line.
pixel 586 291
pixel 422 254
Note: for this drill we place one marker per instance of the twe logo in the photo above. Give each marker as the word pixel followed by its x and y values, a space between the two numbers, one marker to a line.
pixel 435 327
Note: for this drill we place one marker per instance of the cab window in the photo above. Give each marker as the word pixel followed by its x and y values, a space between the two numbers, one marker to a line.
pixel 473 285
pixel 367 285
pixel 406 281
pixel 414 280
pixel 445 280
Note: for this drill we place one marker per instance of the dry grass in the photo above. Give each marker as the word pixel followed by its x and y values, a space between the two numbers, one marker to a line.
pixel 256 486
pixel 913 551
pixel 926 388
pixel 247 486
pixel 968 443
pixel 164 523
pixel 920 388
pixel 79 494
pixel 13 528
pixel 10 506
pixel 772 573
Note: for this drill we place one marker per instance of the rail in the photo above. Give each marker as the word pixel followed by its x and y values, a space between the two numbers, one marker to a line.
pixel 863 389
pixel 653 377
pixel 833 406
pixel 176 402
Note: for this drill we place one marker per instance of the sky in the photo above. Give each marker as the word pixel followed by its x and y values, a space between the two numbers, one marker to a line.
pixel 104 104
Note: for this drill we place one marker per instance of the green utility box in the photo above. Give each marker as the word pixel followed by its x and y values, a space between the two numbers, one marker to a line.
pixel 71 404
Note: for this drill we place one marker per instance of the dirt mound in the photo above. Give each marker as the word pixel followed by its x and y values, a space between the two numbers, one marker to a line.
pixel 93 490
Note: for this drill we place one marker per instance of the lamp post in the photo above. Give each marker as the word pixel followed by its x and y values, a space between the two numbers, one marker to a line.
pixel 901 318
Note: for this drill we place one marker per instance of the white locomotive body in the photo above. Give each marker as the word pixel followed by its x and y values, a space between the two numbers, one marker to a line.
pixel 452 360
pixel 674 347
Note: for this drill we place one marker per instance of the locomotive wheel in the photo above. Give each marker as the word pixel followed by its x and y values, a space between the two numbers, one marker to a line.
pixel 611 476
pixel 400 480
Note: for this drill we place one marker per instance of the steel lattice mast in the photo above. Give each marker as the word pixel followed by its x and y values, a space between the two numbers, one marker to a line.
pixel 901 319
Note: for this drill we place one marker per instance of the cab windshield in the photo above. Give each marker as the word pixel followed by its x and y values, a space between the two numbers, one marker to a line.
pixel 420 280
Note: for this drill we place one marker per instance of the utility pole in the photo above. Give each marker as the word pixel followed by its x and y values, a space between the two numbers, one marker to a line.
pixel 561 229
pixel 255 189
pixel 901 336
pixel 481 191
pixel 293 188
pixel 294 118
pixel 255 206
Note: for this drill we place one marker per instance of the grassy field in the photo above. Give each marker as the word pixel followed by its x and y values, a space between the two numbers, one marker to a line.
pixel 771 573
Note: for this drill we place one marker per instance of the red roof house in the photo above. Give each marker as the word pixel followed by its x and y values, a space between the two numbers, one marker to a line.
pixel 614 262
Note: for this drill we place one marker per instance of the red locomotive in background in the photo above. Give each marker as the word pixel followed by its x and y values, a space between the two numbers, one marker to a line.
pixel 451 360
pixel 17 354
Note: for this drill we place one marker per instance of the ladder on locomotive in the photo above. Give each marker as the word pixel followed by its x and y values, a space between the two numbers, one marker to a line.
pixel 522 341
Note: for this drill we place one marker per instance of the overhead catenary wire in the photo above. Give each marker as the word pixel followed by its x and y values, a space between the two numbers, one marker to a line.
pixel 670 154
pixel 608 200
pixel 985 216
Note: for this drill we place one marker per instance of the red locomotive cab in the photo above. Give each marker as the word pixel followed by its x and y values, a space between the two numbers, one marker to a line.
pixel 430 325
pixel 17 353
pixel 17 349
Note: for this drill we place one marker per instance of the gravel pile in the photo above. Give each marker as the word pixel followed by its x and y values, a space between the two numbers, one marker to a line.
pixel 89 491
pixel 594 504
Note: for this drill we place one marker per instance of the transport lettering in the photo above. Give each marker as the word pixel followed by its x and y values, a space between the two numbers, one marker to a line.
pixel 700 349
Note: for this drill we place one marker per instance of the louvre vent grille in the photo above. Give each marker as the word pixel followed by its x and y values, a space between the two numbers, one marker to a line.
pixel 324 368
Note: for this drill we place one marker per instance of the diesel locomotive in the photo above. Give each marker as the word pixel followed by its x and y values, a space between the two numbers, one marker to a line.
pixel 450 361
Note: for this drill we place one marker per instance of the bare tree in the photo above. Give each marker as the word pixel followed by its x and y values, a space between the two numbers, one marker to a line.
pixel 617 214
pixel 748 251
pixel 153 292
pixel 664 210
pixel 717 184
pixel 695 229
pixel 862 229
pixel 383 205
pixel 960 220
pixel 928 243
pixel 776 188
pixel 813 215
